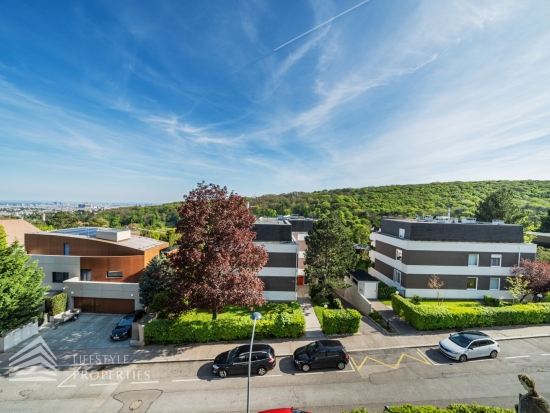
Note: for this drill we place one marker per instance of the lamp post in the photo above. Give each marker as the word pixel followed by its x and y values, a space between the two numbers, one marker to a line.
pixel 254 316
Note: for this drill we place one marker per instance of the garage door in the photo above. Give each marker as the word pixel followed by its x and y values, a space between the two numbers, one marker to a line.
pixel 104 305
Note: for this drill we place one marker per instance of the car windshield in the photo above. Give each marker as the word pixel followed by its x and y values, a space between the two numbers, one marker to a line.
pixel 232 353
pixel 310 348
pixel 125 322
pixel 460 340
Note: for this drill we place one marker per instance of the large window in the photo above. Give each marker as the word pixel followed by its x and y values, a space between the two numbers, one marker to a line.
pixel 496 260
pixel 399 254
pixel 65 249
pixel 494 284
pixel 85 275
pixel 473 260
pixel 59 277
pixel 114 274
pixel 471 283
pixel 397 276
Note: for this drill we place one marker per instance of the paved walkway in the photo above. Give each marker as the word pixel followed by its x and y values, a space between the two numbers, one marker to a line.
pixel 313 327
pixel 396 322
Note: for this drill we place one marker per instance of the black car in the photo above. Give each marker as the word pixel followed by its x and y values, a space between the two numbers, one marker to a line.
pixel 123 329
pixel 321 354
pixel 236 360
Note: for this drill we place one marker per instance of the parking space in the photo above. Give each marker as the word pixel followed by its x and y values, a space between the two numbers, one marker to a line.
pixel 90 331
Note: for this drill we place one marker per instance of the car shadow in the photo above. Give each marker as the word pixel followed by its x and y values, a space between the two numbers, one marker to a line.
pixel 436 357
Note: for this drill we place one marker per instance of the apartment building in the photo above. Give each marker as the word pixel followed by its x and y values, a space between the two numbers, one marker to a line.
pixel 279 274
pixel 472 259
pixel 300 228
pixel 98 268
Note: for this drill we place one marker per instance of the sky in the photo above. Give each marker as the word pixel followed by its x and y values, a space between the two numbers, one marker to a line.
pixel 138 101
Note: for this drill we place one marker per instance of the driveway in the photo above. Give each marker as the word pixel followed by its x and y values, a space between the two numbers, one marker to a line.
pixel 90 331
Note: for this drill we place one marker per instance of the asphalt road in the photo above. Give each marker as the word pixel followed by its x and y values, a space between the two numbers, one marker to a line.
pixel 373 379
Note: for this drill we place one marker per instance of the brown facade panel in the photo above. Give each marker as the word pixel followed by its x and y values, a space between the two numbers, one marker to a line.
pixel 282 260
pixel 459 258
pixel 301 263
pixel 384 269
pixel 386 249
pixel 451 282
pixel 104 305
pixel 302 246
pixel 131 267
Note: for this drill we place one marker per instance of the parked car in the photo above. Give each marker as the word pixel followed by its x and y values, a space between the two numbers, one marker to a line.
pixel 123 329
pixel 284 410
pixel 469 345
pixel 321 354
pixel 236 360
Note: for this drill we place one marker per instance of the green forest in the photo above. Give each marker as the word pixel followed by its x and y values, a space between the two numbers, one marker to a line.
pixel 360 208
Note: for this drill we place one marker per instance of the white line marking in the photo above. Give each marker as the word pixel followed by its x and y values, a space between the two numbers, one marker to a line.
pixel 477 361
pixel 347 371
pixel 270 375
pixel 186 380
pixel 144 382
pixel 72 375
pixel 545 354
pixel 517 357
pixel 309 374
pixel 102 384
pixel 185 358
pixel 351 364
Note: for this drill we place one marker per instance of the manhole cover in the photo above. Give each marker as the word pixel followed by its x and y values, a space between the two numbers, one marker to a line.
pixel 135 405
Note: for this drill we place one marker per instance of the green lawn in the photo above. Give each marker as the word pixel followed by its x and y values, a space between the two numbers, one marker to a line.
pixel 269 309
pixel 386 302
pixel 453 303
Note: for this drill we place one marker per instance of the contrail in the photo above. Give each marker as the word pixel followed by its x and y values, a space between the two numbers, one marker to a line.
pixel 322 24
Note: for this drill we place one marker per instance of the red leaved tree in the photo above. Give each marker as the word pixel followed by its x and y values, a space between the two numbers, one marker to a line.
pixel 216 263
pixel 537 273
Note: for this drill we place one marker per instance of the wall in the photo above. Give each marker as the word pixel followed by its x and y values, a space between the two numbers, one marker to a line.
pixel 131 267
pixel 18 336
pixel 77 288
pixel 352 296
pixel 60 263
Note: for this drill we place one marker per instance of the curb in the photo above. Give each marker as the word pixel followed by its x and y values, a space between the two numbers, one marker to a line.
pixel 287 354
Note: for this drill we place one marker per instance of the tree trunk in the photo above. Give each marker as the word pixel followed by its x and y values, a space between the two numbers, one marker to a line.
pixel 214 314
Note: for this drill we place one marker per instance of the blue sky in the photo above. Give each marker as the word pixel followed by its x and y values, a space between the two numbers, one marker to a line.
pixel 139 100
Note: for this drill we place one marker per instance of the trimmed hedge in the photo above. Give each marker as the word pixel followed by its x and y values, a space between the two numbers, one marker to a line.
pixel 452 408
pixel 195 328
pixel 339 321
pixel 385 292
pixel 57 304
pixel 441 317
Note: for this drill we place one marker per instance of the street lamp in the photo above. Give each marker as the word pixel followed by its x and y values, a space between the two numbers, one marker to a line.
pixel 254 316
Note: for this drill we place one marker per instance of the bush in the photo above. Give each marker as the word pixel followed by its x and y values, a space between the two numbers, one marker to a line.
pixel 279 320
pixel 416 299
pixel 452 408
pixel 439 317
pixel 494 302
pixel 340 321
pixel 385 291
pixel 315 290
pixel 57 304
pixel 337 304
pixel 320 301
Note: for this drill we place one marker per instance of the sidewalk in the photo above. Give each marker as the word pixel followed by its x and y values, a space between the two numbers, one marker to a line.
pixel 313 327
pixel 387 314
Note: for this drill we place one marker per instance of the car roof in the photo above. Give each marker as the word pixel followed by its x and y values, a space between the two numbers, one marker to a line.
pixel 330 343
pixel 473 335
pixel 474 332
pixel 255 347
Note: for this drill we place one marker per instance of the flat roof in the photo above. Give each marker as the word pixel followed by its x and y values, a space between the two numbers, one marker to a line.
pixel 135 242
pixel 271 221
pixel 362 275
pixel 414 221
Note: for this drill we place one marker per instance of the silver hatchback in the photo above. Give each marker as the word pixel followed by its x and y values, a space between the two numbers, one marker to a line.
pixel 469 345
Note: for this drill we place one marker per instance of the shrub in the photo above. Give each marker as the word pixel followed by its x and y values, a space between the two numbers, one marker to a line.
pixel 315 290
pixel 494 302
pixel 320 301
pixel 452 408
pixel 416 299
pixel 279 320
pixel 437 318
pixel 337 304
pixel 57 304
pixel 385 291
pixel 341 321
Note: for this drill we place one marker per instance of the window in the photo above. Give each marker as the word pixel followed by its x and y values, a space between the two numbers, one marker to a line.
pixel 65 249
pixel 397 276
pixel 496 260
pixel 114 274
pixel 398 254
pixel 243 358
pixel 472 283
pixel 59 277
pixel 85 275
pixel 494 284
pixel 401 232
pixel 473 260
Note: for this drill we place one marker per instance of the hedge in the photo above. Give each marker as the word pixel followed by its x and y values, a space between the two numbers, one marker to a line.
pixel 58 304
pixel 441 317
pixel 452 408
pixel 200 330
pixel 340 321
pixel 385 291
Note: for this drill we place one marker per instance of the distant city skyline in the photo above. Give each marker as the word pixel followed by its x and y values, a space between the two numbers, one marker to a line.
pixel 138 101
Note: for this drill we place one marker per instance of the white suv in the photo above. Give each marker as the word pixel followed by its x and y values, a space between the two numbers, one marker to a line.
pixel 469 345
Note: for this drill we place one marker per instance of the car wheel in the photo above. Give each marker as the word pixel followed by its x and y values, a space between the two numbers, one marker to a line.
pixel 262 371
pixel 494 354
pixel 462 358
pixel 306 367
pixel 341 365
pixel 222 374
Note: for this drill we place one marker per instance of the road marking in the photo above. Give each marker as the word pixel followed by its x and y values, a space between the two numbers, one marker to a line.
pixel 271 375
pixel 186 380
pixel 352 367
pixel 73 376
pixel 346 371
pixel 102 384
pixel 517 357
pixel 144 382
pixel 545 354
pixel 395 367
pixel 308 373
pixel 184 359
